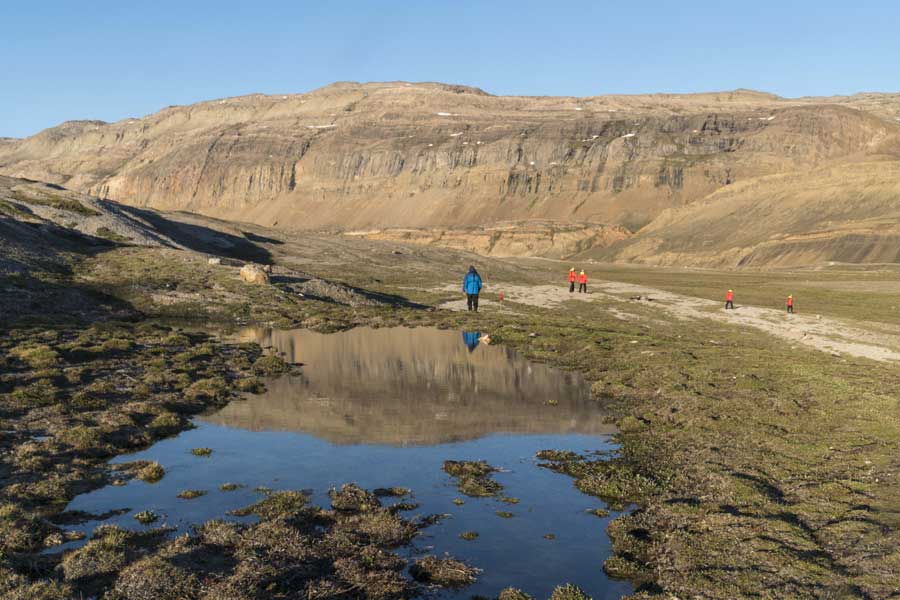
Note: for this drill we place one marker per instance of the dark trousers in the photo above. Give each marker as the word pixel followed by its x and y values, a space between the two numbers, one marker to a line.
pixel 729 304
pixel 472 301
pixel 582 287
pixel 791 308
pixel 571 286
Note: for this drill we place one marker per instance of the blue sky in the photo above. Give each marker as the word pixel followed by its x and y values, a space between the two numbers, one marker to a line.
pixel 110 60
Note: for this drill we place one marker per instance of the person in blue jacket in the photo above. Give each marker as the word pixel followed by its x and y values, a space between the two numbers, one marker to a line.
pixel 472 287
pixel 471 339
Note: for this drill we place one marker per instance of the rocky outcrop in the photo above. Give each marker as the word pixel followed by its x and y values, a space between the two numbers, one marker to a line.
pixel 254 274
pixel 542 238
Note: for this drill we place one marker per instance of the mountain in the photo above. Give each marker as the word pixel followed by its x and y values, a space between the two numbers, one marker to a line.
pixel 845 213
pixel 437 163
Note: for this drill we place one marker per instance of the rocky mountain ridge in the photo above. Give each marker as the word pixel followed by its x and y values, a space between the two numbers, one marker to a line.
pixel 429 157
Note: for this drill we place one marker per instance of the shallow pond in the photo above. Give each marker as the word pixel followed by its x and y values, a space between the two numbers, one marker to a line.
pixel 386 407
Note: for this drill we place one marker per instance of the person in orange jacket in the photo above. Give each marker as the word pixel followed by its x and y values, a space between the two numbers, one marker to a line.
pixel 729 299
pixel 582 283
pixel 572 277
pixel 790 304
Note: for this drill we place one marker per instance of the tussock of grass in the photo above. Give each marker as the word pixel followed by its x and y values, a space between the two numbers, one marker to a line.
pixel 569 592
pixel 146 517
pixel 39 356
pixel 351 497
pixel 277 504
pixel 444 572
pixel 151 472
pixel 191 494
pixel 270 365
pixel 473 477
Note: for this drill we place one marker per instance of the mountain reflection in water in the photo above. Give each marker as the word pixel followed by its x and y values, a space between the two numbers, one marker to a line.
pixel 403 386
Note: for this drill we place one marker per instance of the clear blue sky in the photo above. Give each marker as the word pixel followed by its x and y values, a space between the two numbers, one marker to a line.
pixel 110 60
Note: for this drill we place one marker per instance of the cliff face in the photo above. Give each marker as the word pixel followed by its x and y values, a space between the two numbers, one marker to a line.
pixel 544 238
pixel 433 156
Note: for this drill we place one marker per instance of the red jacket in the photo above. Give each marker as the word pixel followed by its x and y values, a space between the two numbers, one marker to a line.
pixel 582 278
pixel 572 276
pixel 729 296
pixel 790 301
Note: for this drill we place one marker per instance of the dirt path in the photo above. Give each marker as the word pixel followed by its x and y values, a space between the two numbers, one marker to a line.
pixel 822 333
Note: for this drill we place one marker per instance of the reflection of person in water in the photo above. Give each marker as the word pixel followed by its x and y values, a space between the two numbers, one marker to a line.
pixel 470 339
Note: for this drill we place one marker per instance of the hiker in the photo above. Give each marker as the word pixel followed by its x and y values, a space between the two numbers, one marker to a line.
pixel 572 277
pixel 790 304
pixel 729 299
pixel 472 287
pixel 471 339
pixel 582 283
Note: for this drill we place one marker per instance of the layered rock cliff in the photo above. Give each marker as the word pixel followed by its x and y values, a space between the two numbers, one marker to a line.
pixel 439 157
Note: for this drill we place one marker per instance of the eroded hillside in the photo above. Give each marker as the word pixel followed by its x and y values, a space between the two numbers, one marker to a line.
pixel 847 213
pixel 435 157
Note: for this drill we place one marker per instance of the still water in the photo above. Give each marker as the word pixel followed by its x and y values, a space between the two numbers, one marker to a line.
pixel 386 407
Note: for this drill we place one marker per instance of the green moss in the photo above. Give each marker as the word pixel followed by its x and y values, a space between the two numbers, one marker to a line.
pixel 212 388
pixel 167 422
pixel 116 345
pixel 270 365
pixel 56 201
pixel 84 400
pixel 82 437
pixel 469 535
pixel 39 356
pixel 109 234
pixel 201 451
pixel 276 505
pixel 39 393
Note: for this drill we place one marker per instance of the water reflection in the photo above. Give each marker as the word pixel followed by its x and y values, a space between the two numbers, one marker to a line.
pixel 385 408
pixel 470 339
pixel 404 386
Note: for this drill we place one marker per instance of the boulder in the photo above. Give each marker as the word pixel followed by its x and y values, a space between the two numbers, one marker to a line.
pixel 254 274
